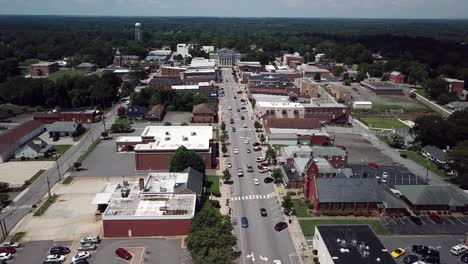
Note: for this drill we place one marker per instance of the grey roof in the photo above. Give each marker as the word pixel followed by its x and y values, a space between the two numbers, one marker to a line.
pixel 345 173
pixel 283 136
pixel 433 195
pixel 36 147
pixel 458 104
pixel 136 110
pixel 328 151
pixel 361 233
pixel 435 152
pixel 63 126
pixel 194 182
pixel 381 86
pixel 299 150
pixel 348 190
pixel 391 200
pixel 301 163
pixel 86 65
pixel 290 175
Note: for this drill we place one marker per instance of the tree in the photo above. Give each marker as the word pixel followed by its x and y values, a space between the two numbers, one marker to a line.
pixel 347 82
pixel 397 141
pixel 257 125
pixel 121 111
pixel 287 202
pixel 226 175
pixel 223 148
pixel 277 175
pixel 127 89
pixel 223 126
pixel 4 186
pixel 262 138
pixel 434 130
pixel 317 77
pixel 459 161
pixel 436 87
pixel 184 158
pixel 339 70
pixel 178 57
pixel 77 165
pixel 270 153
pixel 417 73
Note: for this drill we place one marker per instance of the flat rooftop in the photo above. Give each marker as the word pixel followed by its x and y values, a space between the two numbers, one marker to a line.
pixel 279 104
pixel 165 182
pixel 387 86
pixel 200 71
pixel 184 87
pixel 172 137
pixel 44 63
pixel 129 139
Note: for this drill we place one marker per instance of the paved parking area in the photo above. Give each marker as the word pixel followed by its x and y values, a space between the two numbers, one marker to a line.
pixel 178 117
pixel 35 251
pixel 453 225
pixel 397 175
pixel 145 251
pixel 440 243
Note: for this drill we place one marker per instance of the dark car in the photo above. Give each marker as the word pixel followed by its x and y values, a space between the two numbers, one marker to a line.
pixel 242 118
pixel 256 144
pixel 464 258
pixel 249 151
pixel 431 259
pixel 410 259
pixel 263 212
pixel 81 261
pixel 59 250
pixel 231 121
pixel 281 226
pixel 436 218
pixel 233 129
pixel 415 220
pixel 250 168
pixel 8 249
pixel 123 253
pixel 268 180
pixel 238 110
pixel 244 222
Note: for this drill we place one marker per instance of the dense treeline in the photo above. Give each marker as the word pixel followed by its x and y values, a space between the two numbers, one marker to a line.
pixel 67 91
pixel 174 100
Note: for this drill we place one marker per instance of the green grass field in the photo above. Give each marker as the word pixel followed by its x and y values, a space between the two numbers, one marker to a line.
pixel 56 75
pixel 213 184
pixel 300 208
pixel 308 226
pixel 384 123
pixel 418 158
pixel 60 149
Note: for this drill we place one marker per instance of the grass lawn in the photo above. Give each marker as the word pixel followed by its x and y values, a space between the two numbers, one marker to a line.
pixel 77 138
pixel 308 226
pixel 60 149
pixel 8 109
pixel 421 160
pixel 300 208
pixel 56 75
pixel 384 123
pixel 213 184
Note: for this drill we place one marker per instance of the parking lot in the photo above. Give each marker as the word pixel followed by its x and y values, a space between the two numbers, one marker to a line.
pixel 452 225
pixel 396 175
pixel 35 251
pixel 440 243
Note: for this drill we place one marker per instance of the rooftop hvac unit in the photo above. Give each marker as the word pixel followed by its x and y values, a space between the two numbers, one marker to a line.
pixel 167 133
pixel 167 138
pixel 184 138
pixel 194 133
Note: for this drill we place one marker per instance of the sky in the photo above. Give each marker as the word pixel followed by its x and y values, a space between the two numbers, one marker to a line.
pixel 243 8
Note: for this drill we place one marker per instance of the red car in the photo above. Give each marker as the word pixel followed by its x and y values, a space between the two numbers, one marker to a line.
pixel 373 165
pixel 436 218
pixel 8 249
pixel 257 148
pixel 123 253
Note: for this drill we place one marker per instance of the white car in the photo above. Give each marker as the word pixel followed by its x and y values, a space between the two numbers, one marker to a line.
pixel 11 244
pixel 264 169
pixel 384 177
pixel 90 239
pixel 260 159
pixel 458 249
pixel 236 151
pixel 229 107
pixel 81 255
pixel 245 126
pixel 229 164
pixel 256 182
pixel 56 258
pixel 246 141
pixel 5 256
pixel 276 261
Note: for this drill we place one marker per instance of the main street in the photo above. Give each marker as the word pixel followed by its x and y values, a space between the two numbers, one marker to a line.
pixel 259 242
pixel 36 191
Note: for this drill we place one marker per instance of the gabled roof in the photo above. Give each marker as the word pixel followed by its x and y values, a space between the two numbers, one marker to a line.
pixel 435 152
pixel 63 126
pixel 339 190
pixel 194 182
pixel 15 134
pixel 433 195
pixel 202 109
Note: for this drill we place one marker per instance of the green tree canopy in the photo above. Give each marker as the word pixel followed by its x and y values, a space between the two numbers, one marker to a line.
pixel 184 158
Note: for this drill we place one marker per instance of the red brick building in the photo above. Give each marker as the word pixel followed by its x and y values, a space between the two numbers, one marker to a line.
pixel 87 116
pixel 289 58
pixel 44 69
pixel 171 71
pixel 396 77
pixel 456 86
pixel 203 113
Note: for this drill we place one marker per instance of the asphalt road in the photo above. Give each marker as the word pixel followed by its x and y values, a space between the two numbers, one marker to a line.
pixel 34 193
pixel 258 243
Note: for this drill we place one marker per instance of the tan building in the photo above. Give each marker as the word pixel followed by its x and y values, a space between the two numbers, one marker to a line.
pixel 308 87
pixel 340 92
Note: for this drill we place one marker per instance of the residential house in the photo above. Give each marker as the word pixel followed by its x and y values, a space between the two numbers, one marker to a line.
pixel 156 113
pixel 136 112
pixel 33 149
pixel 13 139
pixel 203 113
pixel 434 153
pixel 396 77
pixel 65 128
pixel 456 86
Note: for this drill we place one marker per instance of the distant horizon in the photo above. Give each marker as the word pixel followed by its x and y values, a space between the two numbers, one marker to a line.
pixel 240 17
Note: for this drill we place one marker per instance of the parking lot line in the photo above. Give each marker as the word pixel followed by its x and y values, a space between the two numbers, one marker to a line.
pixel 459 220
pixel 449 220
pixel 429 219
pixel 403 222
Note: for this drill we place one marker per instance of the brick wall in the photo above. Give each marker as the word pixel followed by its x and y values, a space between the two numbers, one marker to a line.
pixel 139 228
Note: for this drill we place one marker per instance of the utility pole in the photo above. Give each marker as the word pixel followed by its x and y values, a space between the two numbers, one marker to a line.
pixel 48 186
pixel 104 122
pixel 58 167
pixel 362 167
pixel 427 172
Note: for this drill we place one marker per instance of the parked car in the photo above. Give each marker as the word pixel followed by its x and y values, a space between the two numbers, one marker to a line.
pixel 11 244
pixel 373 165
pixel 263 169
pixel 260 159
pixel 425 250
pixel 5 256
pixel 398 252
pixel 256 144
pixel 257 148
pixel 8 249
pixel 410 259
pixel 123 253
pixel 59 250
pixel 87 247
pixel 459 249
pixel 250 168
pixel 256 182
pixel 436 218
pixel 90 239
pixel 244 222
pixel 81 261
pixel 81 255
pixel 268 180
pixel 263 212
pixel 415 220
pixel 281 226
pixel 464 258
pixel 430 259
pixel 56 258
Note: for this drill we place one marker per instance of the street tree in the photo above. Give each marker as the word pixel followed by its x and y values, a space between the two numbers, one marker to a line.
pixel 226 175
pixel 257 125
pixel 224 148
pixel 184 158
pixel 270 153
pixel 262 138
pixel 4 186
pixel 223 126
pixel 459 161
pixel 397 141
pixel 277 175
pixel 339 70
pixel 287 202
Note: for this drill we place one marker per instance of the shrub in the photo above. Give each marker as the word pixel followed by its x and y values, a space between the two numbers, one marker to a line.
pixel 167 124
pixel 291 193
pixel 403 155
pixel 315 252
pixel 416 212
pixel 310 206
pixel 366 214
pixel 317 213
pixel 315 260
pixel 216 194
pixel 358 213
pixel 214 203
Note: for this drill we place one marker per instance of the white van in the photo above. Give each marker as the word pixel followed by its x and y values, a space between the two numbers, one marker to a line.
pixel 458 249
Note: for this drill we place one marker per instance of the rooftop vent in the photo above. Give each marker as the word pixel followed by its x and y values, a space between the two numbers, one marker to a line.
pixel 378 260
pixel 194 133
pixel 167 138
pixel 184 138
pixel 167 133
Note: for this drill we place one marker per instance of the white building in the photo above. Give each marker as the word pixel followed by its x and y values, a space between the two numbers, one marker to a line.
pixel 202 63
pixel 226 57
pixel 362 105
pixel 183 49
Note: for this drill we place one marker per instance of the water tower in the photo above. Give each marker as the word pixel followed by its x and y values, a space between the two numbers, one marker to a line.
pixel 138 32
